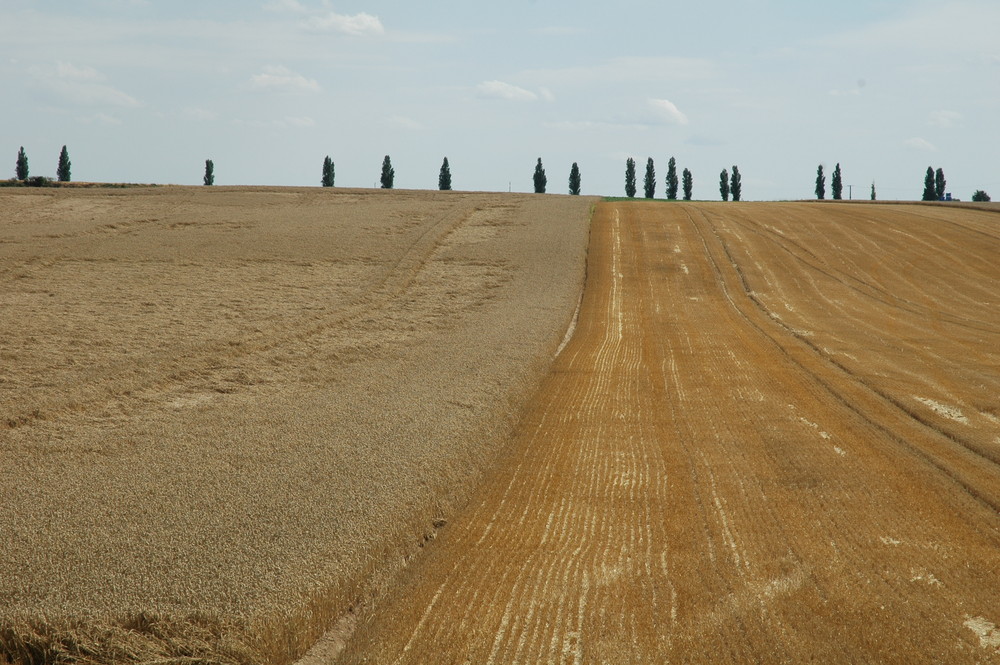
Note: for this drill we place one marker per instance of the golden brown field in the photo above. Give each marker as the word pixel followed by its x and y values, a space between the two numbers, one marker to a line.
pixel 774 437
pixel 227 415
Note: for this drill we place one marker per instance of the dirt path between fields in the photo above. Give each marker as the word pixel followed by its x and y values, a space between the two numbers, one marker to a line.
pixel 773 437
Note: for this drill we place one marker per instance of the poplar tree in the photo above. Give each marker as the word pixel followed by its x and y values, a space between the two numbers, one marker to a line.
pixel 444 177
pixel 328 172
pixel 736 185
pixel 630 177
pixel 820 183
pixel 649 182
pixel 539 178
pixel 388 173
pixel 22 164
pixel 837 183
pixel 873 190
pixel 672 179
pixel 724 184
pixel 688 184
pixel 63 169
pixel 939 184
pixel 930 193
pixel 574 180
pixel 209 173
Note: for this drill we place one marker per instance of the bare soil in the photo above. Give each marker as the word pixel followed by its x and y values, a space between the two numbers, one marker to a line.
pixel 774 437
pixel 227 415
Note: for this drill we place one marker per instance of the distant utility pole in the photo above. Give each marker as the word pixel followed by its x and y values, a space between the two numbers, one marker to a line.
pixel 850 192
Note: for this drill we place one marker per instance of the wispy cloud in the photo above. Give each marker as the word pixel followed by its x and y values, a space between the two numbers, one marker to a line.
pixel 917 143
pixel 945 119
pixel 404 122
pixel 668 111
pixel 501 90
pixel 80 85
pixel 358 25
pixel 282 79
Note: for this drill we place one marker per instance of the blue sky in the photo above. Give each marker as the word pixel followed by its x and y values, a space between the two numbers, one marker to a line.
pixel 146 90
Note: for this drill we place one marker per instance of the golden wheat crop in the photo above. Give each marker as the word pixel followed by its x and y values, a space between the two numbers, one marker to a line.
pixel 227 414
pixel 773 438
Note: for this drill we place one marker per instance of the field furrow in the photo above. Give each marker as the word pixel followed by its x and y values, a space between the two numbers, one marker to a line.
pixel 773 437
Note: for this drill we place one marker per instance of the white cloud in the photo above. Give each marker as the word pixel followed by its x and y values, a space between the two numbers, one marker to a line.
pixel 359 25
pixel 668 111
pixel 945 119
pixel 299 121
pixel 501 90
pixel 67 70
pixel 198 113
pixel 80 85
pixel 293 6
pixel 918 143
pixel 282 78
pixel 628 69
pixel 404 122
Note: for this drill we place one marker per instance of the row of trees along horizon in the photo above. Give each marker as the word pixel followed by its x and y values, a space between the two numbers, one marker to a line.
pixel 935 186
pixel 730 184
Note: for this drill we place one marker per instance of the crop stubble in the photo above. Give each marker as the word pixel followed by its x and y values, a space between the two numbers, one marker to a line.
pixel 227 414
pixel 774 437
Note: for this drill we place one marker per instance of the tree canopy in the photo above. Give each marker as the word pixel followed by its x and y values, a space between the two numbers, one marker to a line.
pixel 820 183
pixel 724 184
pixel 328 172
pixel 22 164
pixel 649 181
pixel 574 179
pixel 388 177
pixel 63 169
pixel 672 179
pixel 688 184
pixel 209 179
pixel 630 177
pixel 539 178
pixel 444 177
pixel 837 183
pixel 930 193
pixel 736 184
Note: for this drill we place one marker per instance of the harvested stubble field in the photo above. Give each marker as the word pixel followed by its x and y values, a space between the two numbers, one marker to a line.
pixel 229 414
pixel 774 437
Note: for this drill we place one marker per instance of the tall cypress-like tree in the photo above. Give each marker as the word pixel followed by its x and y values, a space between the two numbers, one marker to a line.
pixel 724 184
pixel 736 184
pixel 444 177
pixel 209 179
pixel 873 190
pixel 688 184
pixel 930 193
pixel 939 184
pixel 672 179
pixel 837 183
pixel 539 178
pixel 328 172
pixel 63 169
pixel 388 177
pixel 22 164
pixel 820 183
pixel 630 177
pixel 649 182
pixel 574 180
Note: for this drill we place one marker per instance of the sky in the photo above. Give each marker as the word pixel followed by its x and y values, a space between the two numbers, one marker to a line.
pixel 145 91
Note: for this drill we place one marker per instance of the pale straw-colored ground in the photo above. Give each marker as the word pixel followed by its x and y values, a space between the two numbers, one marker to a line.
pixel 228 414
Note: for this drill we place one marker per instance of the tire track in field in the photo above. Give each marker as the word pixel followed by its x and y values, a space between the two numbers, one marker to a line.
pixel 694 484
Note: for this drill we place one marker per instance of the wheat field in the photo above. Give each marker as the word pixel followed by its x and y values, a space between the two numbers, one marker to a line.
pixel 228 415
pixel 774 437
